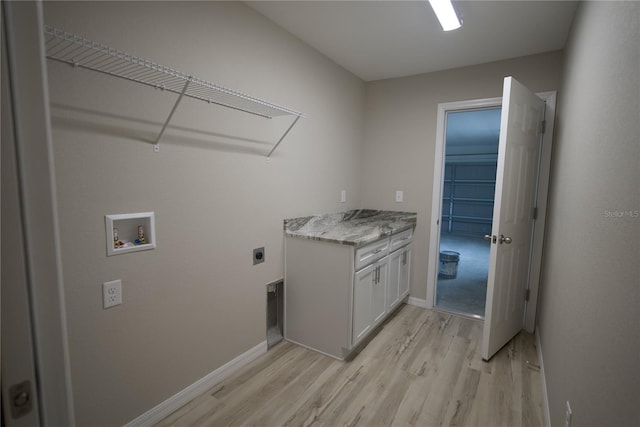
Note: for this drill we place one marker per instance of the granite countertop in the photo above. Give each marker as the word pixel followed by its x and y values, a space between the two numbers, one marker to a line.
pixel 356 227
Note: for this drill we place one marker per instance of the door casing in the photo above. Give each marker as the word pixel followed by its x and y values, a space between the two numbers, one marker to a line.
pixel 39 287
pixel 541 197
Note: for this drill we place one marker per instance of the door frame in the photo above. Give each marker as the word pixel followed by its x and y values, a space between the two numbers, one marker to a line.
pixel 544 168
pixel 42 283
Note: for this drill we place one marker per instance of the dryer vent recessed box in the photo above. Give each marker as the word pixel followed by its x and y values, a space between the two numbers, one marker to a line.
pixel 130 232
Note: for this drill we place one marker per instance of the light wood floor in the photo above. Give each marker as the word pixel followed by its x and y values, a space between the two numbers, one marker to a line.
pixel 422 369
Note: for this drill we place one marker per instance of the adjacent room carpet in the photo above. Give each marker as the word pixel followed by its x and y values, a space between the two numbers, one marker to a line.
pixel 466 293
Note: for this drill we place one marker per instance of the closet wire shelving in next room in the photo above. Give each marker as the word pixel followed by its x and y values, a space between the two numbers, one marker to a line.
pixel 81 52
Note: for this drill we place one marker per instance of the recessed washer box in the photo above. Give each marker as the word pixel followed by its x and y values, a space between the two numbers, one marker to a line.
pixel 130 232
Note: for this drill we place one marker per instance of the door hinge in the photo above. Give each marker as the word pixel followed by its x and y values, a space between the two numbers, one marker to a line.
pixel 542 127
pixel 527 293
pixel 535 213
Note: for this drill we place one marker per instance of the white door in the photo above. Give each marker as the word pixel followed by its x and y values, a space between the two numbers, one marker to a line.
pixel 518 153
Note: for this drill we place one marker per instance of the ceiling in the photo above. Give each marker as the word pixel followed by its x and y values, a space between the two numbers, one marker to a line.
pixel 384 39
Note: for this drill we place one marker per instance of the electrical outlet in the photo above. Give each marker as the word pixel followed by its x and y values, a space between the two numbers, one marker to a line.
pixel 399 196
pixel 258 256
pixel 112 293
pixel 567 416
pixel 343 196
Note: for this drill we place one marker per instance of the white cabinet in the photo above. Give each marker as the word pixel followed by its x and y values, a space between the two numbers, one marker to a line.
pixel 362 310
pixel 399 269
pixel 369 298
pixel 336 295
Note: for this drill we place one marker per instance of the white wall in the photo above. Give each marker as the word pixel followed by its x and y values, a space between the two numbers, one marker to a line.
pixel 400 133
pixel 196 301
pixel 590 304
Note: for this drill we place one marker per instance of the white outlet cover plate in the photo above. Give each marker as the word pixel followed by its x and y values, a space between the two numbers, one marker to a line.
pixel 399 196
pixel 112 293
pixel 343 196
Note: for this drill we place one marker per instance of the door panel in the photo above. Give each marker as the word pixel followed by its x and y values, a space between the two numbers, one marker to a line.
pixel 405 269
pixel 518 152
pixel 379 292
pixel 362 302
pixel 395 265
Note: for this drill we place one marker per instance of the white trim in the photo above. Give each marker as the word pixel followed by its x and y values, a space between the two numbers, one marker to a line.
pixel 436 197
pixel 545 396
pixel 164 409
pixel 27 74
pixel 418 302
pixel 541 203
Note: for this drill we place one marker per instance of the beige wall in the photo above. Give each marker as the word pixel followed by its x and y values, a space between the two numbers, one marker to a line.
pixel 195 302
pixel 400 132
pixel 590 305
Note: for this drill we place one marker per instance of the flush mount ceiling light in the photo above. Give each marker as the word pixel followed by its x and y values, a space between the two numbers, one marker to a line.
pixel 446 14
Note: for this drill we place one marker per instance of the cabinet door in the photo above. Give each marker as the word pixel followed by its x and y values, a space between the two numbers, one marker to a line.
pixel 362 314
pixel 393 287
pixel 405 271
pixel 379 291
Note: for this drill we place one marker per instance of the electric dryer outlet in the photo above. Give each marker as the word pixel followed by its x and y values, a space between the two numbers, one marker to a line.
pixel 258 256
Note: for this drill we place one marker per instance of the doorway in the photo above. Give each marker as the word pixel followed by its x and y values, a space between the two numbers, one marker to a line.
pixel 518 100
pixel 468 187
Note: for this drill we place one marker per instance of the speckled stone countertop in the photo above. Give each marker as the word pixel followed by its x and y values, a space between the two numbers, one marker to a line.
pixel 356 227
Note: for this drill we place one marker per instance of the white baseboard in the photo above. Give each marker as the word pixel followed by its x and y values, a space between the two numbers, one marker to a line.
pixel 545 397
pixel 417 302
pixel 164 409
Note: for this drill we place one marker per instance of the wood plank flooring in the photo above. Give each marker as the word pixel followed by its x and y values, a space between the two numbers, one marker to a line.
pixel 423 368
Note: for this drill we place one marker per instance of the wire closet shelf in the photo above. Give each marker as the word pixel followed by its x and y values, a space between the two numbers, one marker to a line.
pixel 84 53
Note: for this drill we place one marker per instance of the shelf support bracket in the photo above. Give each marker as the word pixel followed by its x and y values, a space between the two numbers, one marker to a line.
pixel 282 137
pixel 156 145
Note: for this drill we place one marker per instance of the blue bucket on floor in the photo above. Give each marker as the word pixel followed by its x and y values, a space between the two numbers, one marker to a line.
pixel 448 264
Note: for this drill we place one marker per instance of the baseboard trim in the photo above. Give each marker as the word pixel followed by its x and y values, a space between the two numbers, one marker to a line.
pixel 545 397
pixel 417 302
pixel 164 409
